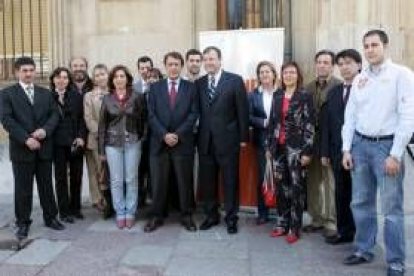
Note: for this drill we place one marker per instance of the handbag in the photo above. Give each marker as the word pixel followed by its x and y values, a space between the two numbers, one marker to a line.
pixel 268 186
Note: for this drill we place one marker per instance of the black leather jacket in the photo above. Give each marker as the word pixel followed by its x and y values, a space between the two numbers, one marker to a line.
pixel 119 125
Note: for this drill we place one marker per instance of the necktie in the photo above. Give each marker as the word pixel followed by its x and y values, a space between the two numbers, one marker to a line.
pixel 173 94
pixel 347 91
pixel 211 89
pixel 30 93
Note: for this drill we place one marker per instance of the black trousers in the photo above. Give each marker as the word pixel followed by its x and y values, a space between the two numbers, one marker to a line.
pixel 343 197
pixel 68 194
pixel 262 210
pixel 161 166
pixel 210 166
pixel 24 173
pixel 144 181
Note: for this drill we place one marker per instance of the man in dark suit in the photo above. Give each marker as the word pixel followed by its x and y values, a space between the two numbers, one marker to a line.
pixel 30 117
pixel 349 62
pixel 223 129
pixel 172 113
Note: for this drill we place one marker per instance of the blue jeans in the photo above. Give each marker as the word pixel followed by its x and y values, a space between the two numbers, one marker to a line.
pixel 123 165
pixel 367 176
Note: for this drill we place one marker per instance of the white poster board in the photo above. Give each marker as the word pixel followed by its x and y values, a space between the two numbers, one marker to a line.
pixel 242 50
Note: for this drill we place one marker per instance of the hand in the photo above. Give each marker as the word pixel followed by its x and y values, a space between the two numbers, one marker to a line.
pixel 79 142
pixel 39 134
pixel 243 144
pixel 325 161
pixel 102 158
pixel 171 139
pixel 305 160
pixel 392 166
pixel 268 155
pixel 347 162
pixel 32 144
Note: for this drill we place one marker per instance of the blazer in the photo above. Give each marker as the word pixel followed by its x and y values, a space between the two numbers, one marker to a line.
pixel 71 124
pixel 299 122
pixel 119 125
pixel 180 120
pixel 92 106
pixel 20 118
pixel 226 120
pixel 331 125
pixel 312 88
pixel 257 116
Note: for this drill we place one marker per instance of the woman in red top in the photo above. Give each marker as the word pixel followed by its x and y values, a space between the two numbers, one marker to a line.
pixel 289 144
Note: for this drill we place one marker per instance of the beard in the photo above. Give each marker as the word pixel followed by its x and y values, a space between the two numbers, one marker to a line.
pixel 79 75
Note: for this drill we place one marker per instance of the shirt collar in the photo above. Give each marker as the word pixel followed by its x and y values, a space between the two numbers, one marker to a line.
pixel 261 89
pixel 25 86
pixel 217 76
pixel 380 69
pixel 177 81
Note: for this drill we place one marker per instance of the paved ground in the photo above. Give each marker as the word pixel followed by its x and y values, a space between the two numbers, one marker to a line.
pixel 96 247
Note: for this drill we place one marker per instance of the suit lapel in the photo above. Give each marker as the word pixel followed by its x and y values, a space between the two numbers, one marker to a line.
pixel 181 91
pixel 219 87
pixel 22 95
pixel 261 103
pixel 165 96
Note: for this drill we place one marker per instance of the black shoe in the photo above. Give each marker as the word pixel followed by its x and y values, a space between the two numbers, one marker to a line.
pixel 356 259
pixel 55 225
pixel 22 231
pixel 339 239
pixel 208 223
pixel 189 224
pixel 152 225
pixel 232 228
pixel 78 215
pixel 66 219
pixel 394 272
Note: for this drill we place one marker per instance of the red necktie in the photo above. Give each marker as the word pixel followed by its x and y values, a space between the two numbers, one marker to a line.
pixel 173 94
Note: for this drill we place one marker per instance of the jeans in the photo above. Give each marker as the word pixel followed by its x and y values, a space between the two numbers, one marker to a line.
pixel 368 175
pixel 123 165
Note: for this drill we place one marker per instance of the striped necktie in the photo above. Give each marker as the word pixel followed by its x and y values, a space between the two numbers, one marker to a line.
pixel 30 93
pixel 211 89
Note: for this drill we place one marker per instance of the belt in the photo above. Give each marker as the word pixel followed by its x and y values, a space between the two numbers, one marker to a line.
pixel 375 138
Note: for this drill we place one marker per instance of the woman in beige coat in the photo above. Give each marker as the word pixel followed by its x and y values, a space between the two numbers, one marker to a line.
pixel 92 107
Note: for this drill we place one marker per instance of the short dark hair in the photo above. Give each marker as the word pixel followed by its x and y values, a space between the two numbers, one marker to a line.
pixel 56 73
pixel 325 52
pixel 112 76
pixel 382 35
pixel 174 55
pixel 145 59
pixel 212 48
pixel 24 61
pixel 349 53
pixel 155 71
pixel 299 84
pixel 193 52
pixel 79 57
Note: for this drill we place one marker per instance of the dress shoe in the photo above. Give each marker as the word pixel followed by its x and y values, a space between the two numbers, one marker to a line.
pixel 261 220
pixel 78 215
pixel 328 233
pixel 22 231
pixel 395 272
pixel 208 223
pixel 55 225
pixel 152 225
pixel 189 225
pixel 232 228
pixel 356 259
pixel 67 219
pixel 312 228
pixel 278 232
pixel 337 239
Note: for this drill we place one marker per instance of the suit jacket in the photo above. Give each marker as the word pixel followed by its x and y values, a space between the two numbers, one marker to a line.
pixel 312 88
pixel 226 120
pixel 71 124
pixel 20 118
pixel 257 116
pixel 331 125
pixel 92 106
pixel 299 122
pixel 180 120
pixel 138 86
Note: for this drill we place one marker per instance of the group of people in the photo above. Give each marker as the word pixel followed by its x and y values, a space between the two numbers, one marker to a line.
pixel 332 143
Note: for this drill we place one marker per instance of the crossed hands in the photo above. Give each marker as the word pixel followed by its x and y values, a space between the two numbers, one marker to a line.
pixel 171 139
pixel 33 142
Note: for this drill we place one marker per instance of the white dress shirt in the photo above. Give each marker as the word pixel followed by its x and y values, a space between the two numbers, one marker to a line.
pixel 267 103
pixel 381 103
pixel 25 86
pixel 217 77
pixel 177 82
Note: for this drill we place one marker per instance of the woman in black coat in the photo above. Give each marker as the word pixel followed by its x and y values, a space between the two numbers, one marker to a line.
pixel 69 140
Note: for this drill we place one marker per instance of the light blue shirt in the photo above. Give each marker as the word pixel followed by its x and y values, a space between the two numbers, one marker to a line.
pixel 381 103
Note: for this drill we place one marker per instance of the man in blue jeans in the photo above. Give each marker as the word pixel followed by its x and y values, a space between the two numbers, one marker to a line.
pixel 379 121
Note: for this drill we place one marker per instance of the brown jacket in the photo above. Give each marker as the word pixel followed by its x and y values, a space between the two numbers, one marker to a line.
pixel 92 107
